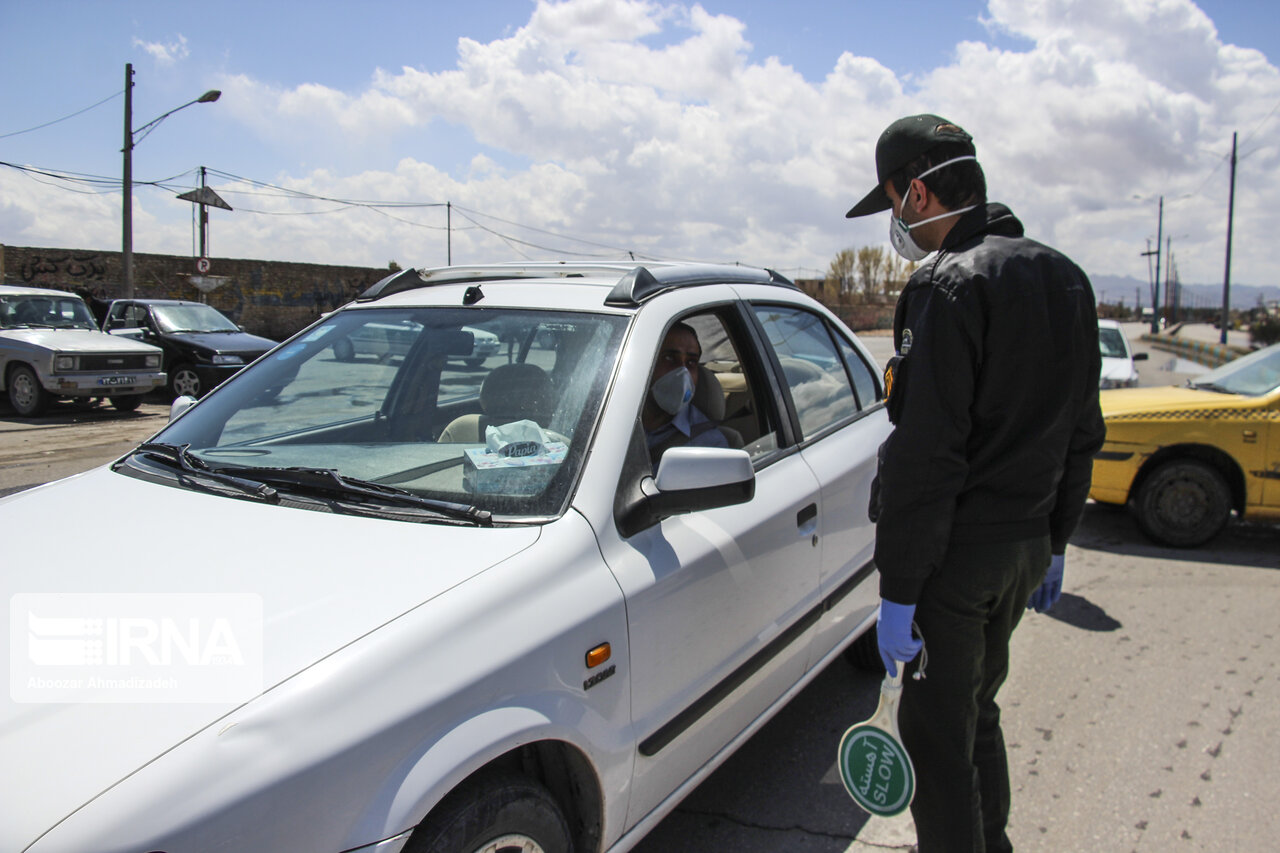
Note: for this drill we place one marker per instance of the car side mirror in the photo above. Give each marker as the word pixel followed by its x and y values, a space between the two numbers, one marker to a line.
pixel 691 479
pixel 180 405
pixel 1140 356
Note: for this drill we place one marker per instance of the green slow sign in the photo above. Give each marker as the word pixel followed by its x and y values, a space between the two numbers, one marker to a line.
pixel 876 771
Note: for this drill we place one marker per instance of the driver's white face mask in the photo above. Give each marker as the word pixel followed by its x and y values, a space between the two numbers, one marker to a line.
pixel 900 231
pixel 673 391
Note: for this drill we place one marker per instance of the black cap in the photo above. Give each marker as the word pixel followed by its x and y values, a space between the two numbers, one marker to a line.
pixel 902 142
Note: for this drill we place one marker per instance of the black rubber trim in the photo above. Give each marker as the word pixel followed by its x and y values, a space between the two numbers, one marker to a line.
pixel 1112 455
pixel 655 742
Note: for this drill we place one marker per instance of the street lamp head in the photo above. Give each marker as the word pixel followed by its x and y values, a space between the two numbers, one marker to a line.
pixel 209 96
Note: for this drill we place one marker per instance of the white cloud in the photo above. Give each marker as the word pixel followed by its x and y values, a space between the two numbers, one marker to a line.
pixel 654 128
pixel 164 53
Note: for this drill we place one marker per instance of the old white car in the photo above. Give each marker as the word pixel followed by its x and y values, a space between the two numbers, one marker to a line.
pixel 50 347
pixel 450 609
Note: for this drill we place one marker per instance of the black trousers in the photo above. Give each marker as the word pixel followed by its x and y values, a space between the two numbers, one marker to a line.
pixel 950 721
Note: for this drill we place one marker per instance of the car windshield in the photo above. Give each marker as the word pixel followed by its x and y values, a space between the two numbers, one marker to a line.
pixel 1252 375
pixel 1112 343
pixel 23 311
pixel 406 399
pixel 191 318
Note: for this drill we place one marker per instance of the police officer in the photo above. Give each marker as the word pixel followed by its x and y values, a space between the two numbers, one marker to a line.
pixel 993 393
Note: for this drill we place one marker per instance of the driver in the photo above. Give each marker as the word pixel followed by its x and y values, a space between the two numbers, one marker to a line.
pixel 669 417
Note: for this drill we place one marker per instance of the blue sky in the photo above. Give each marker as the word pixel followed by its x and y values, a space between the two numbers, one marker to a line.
pixel 725 131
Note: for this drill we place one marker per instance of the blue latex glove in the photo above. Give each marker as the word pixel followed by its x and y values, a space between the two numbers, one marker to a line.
pixel 893 631
pixel 1047 595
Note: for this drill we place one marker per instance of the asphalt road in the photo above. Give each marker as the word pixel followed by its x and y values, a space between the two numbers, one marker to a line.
pixel 1141 714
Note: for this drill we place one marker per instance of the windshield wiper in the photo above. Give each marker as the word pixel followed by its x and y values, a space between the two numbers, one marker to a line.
pixel 330 481
pixel 1208 386
pixel 181 454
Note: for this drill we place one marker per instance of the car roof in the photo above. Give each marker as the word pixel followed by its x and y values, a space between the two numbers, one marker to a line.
pixel 619 285
pixel 1108 324
pixel 18 290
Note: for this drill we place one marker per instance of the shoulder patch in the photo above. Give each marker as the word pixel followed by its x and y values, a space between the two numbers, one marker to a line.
pixel 906 341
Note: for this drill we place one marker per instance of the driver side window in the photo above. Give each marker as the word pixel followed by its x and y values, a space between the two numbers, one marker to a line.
pixel 729 391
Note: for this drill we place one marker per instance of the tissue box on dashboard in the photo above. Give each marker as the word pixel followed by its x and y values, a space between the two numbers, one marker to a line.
pixel 485 472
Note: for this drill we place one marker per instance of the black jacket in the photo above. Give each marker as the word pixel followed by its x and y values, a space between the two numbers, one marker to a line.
pixel 994 400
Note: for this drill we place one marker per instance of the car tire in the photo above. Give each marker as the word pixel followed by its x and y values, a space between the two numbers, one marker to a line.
pixel 1184 504
pixel 344 350
pixel 127 403
pixel 499 813
pixel 184 381
pixel 473 362
pixel 864 652
pixel 26 394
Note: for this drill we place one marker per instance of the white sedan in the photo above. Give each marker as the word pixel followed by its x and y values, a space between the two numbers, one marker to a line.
pixel 447 609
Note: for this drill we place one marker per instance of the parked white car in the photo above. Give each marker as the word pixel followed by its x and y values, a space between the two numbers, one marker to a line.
pixel 1118 370
pixel 483 620
pixel 50 347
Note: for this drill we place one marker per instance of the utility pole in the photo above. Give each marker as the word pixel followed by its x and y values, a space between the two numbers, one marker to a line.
pixel 1226 276
pixel 1155 297
pixel 204 218
pixel 448 221
pixel 126 245
pixel 1170 282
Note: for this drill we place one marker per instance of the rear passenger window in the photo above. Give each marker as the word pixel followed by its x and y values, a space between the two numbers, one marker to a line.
pixel 864 381
pixel 813 369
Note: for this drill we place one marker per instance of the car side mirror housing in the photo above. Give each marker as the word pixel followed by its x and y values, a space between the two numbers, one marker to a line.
pixel 1140 356
pixel 691 479
pixel 180 405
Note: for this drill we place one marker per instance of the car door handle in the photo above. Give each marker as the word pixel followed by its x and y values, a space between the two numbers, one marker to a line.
pixel 806 515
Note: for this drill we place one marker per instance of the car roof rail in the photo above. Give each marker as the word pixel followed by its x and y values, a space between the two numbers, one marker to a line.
pixel 636 284
pixel 644 283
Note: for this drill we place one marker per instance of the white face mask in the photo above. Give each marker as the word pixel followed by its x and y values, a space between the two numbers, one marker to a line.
pixel 900 231
pixel 673 391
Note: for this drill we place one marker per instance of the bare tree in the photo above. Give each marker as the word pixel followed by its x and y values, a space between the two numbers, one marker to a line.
pixel 870 266
pixel 840 275
pixel 896 271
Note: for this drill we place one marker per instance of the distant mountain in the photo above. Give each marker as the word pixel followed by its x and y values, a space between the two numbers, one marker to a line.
pixel 1114 288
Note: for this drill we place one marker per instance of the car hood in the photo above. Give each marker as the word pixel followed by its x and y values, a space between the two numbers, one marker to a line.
pixel 341 577
pixel 228 342
pixel 76 340
pixel 1134 401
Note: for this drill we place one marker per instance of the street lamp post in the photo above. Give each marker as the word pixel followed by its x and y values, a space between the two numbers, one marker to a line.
pixel 130 135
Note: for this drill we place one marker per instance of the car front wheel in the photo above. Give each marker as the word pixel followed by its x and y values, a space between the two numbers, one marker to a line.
pixel 1184 503
pixel 504 813
pixel 26 394
pixel 184 381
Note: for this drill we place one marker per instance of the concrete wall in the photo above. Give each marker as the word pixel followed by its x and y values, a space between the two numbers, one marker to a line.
pixel 269 298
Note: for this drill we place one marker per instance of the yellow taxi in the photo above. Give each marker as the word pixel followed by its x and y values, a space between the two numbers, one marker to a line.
pixel 1184 458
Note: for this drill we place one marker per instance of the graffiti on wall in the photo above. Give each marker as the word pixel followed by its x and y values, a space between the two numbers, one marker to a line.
pixel 57 269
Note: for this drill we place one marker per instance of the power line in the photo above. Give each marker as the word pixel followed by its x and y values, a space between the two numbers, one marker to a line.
pixel 64 118
pixel 104 185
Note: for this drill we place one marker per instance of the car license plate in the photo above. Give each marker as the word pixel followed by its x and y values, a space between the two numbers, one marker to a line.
pixel 116 380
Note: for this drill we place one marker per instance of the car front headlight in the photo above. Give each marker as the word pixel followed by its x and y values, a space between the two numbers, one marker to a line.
pixel 153 360
pixel 64 362
pixel 225 358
